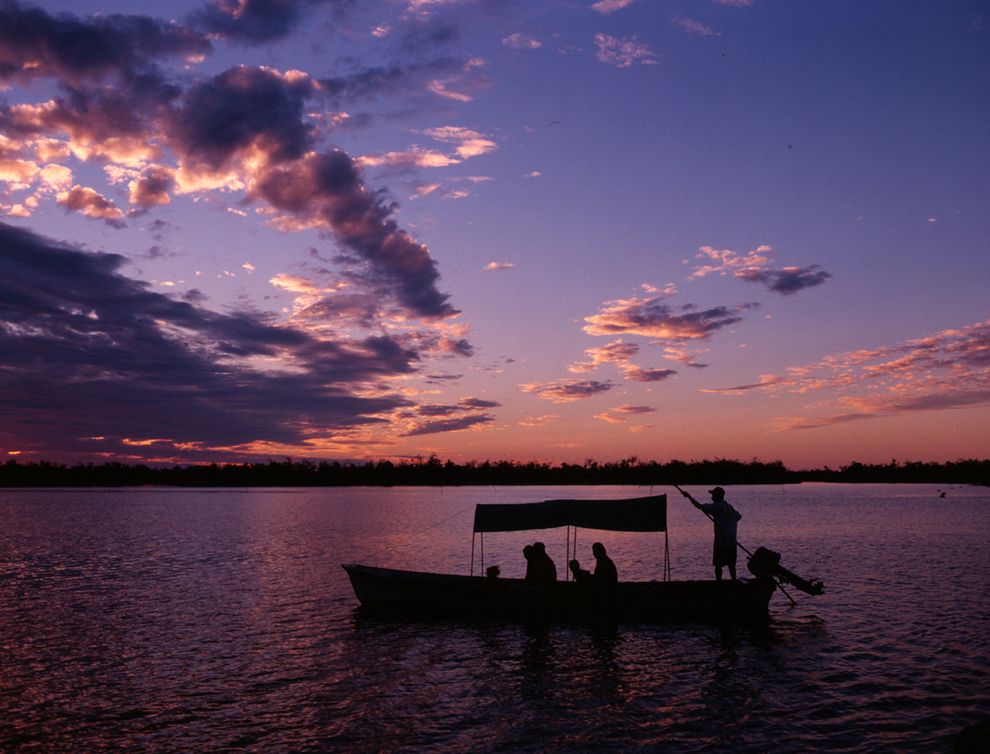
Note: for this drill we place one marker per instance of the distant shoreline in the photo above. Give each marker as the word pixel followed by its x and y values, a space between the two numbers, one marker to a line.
pixel 436 473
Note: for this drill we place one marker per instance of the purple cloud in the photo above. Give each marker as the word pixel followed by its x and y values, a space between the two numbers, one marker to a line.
pixel 89 352
pixel 450 425
pixel 652 318
pixel 567 391
pixel 787 280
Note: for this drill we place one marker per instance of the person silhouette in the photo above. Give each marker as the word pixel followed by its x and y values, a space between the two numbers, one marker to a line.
pixel 605 574
pixel 530 569
pixel 580 575
pixel 724 518
pixel 545 572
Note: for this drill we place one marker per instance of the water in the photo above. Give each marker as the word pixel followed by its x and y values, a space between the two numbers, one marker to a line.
pixel 220 620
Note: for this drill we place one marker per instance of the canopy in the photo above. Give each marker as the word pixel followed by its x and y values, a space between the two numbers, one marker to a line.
pixel 631 514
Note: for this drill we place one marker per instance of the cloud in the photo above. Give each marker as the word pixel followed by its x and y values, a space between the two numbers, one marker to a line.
pixel 787 280
pixel 684 356
pixel 326 189
pixel 567 391
pixel 755 267
pixel 639 374
pixel 244 109
pixel 90 352
pixel 243 129
pixel 466 142
pixel 612 353
pixel 499 266
pixel 950 369
pixel 463 142
pixel 734 3
pixel 622 414
pixel 652 318
pixel 34 44
pixel 152 187
pixel 477 403
pixel 623 53
pixel 520 41
pixel 695 27
pixel 408 160
pixel 377 80
pixel 449 425
pixel 92 204
pixel 427 34
pixel 722 261
pixel 257 21
pixel 621 354
pixel 464 415
pixel 469 77
pixel 611 6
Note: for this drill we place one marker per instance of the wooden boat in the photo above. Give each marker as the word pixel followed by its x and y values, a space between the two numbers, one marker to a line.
pixel 415 594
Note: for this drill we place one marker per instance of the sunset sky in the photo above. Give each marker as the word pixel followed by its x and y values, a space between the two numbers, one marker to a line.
pixel 494 229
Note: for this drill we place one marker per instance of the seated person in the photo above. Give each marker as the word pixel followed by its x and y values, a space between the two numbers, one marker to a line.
pixel 580 575
pixel 544 570
pixel 605 574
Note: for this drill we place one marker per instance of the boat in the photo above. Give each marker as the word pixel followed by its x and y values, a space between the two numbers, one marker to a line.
pixel 424 595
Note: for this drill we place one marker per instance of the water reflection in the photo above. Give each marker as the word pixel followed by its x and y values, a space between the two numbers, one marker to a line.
pixel 159 620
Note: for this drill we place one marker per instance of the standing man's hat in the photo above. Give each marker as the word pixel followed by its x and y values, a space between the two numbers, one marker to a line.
pixel 719 490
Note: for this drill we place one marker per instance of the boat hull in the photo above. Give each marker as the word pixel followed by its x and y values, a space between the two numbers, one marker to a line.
pixel 415 594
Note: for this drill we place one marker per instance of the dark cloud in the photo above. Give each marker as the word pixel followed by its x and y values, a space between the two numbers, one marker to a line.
pixel 438 410
pixel 89 352
pixel 371 82
pixel 653 318
pixel 239 108
pixel 36 44
pixel 152 187
pixel 328 187
pixel 257 21
pixel 354 308
pixel 566 391
pixel 259 109
pixel 477 403
pixel 787 280
pixel 440 378
pixel 465 404
pixel 642 374
pixel 450 425
pixel 428 35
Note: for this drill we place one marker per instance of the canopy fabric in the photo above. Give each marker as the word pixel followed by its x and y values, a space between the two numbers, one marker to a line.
pixel 631 514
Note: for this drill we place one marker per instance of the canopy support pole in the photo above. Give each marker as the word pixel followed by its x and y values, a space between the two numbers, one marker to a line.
pixel 474 536
pixel 567 550
pixel 666 556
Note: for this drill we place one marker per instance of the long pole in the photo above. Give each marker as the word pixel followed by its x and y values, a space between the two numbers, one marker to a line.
pixel 738 543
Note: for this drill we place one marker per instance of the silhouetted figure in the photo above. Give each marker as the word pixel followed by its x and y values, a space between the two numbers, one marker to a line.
pixel 725 518
pixel 544 570
pixel 530 570
pixel 492 572
pixel 606 576
pixel 580 575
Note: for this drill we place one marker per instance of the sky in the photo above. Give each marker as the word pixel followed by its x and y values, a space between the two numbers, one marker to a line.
pixel 540 230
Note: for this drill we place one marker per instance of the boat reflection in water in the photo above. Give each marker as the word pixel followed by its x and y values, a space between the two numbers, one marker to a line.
pixel 415 594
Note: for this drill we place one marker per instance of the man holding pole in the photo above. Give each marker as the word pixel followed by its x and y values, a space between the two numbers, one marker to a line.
pixel 725 518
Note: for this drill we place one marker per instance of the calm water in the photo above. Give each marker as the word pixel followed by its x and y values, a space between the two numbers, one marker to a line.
pixel 202 620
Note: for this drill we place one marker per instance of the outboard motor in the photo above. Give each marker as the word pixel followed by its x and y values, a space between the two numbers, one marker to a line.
pixel 765 564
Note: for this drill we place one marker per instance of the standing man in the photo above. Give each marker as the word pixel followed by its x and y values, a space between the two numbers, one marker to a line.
pixel 725 518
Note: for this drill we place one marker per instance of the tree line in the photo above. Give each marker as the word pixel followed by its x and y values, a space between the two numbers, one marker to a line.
pixel 435 472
